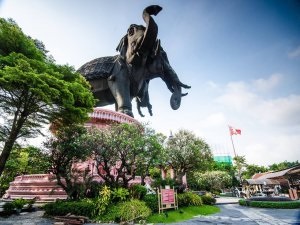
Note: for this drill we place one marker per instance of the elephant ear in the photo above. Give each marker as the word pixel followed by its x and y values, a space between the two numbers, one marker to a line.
pixel 122 46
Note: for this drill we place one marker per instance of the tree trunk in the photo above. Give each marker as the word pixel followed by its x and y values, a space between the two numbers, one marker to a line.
pixel 8 146
pixel 179 177
pixel 143 179
pixel 15 130
pixel 5 153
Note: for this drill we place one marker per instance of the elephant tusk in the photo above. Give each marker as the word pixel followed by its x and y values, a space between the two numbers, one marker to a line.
pixel 183 85
pixel 184 94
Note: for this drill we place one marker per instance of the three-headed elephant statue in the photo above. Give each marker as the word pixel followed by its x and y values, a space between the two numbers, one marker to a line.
pixel 118 79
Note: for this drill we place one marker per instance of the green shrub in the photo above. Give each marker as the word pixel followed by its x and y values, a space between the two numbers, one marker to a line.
pixel 243 202
pixel 271 204
pixel 152 202
pixel 133 209
pixel 102 201
pixel 119 194
pixel 61 208
pixel 138 191
pixel 112 215
pixel 126 211
pixel 188 199
pixel 208 199
pixel 8 209
pixel 19 203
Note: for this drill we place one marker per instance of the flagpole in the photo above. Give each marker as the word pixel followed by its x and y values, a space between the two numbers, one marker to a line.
pixel 233 146
pixel 235 155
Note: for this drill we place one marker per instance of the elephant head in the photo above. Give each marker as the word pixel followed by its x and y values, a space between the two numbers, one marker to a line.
pixel 166 72
pixel 140 40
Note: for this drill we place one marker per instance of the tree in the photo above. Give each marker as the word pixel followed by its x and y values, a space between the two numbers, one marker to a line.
pixel 30 160
pixel 252 169
pixel 123 150
pixel 213 180
pixel 12 39
pixel 69 146
pixel 187 153
pixel 283 165
pixel 240 163
pixel 34 90
pixel 151 154
pixel 229 168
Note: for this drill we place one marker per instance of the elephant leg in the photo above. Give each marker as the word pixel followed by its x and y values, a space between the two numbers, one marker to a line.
pixel 120 89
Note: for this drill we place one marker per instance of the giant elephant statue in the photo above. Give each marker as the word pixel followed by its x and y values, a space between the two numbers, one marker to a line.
pixel 118 79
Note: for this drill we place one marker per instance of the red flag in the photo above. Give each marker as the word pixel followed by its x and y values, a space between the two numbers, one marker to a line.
pixel 234 131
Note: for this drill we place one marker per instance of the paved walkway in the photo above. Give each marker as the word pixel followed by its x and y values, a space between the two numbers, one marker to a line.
pixel 231 214
pixel 227 200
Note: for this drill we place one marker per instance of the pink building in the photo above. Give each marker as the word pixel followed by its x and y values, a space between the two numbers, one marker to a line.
pixel 43 187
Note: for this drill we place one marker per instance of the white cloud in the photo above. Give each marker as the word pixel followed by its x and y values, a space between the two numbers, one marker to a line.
pixel 282 111
pixel 270 126
pixel 267 84
pixel 242 98
pixel 295 53
pixel 212 84
pixel 271 149
pixel 214 120
pixel 236 96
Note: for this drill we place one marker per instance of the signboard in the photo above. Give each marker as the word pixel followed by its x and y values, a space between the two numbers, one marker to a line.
pixel 167 198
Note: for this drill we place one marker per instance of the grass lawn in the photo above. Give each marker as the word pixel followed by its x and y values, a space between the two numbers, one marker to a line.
pixel 183 213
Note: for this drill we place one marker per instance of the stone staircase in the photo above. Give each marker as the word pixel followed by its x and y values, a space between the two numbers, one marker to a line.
pixel 42 187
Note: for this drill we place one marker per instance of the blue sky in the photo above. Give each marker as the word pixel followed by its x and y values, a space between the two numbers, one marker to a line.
pixel 242 59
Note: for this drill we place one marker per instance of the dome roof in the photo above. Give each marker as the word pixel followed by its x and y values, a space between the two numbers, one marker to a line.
pixel 104 117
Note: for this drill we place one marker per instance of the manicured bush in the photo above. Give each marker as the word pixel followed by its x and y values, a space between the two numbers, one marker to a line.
pixel 189 198
pixel 275 205
pixel 61 208
pixel 270 199
pixel 243 202
pixel 152 202
pixel 138 191
pixel 271 204
pixel 208 199
pixel 132 210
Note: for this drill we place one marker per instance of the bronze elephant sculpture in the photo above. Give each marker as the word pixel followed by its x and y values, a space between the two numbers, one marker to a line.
pixel 118 79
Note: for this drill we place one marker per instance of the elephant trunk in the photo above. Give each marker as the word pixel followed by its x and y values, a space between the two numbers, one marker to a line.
pixel 151 31
pixel 172 81
pixel 175 99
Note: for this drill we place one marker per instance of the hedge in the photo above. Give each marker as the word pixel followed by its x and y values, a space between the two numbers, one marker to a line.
pixel 271 204
pixel 61 208
pixel 270 199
